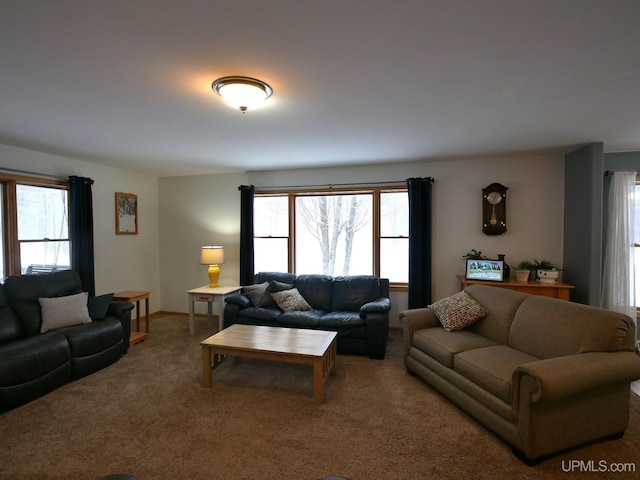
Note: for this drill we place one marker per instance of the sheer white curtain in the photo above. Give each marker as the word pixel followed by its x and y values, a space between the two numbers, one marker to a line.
pixel 618 283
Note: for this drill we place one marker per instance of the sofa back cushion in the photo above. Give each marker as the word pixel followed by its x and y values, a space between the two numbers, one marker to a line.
pixel 548 327
pixel 316 290
pixel 350 293
pixel 10 328
pixel 502 305
pixel 282 277
pixel 23 292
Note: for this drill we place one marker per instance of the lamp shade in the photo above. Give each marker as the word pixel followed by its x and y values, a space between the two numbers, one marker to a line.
pixel 211 255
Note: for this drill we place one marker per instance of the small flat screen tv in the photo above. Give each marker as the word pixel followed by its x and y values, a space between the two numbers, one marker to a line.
pixel 490 270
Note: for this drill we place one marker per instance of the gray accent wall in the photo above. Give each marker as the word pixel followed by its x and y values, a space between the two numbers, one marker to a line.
pixel 583 222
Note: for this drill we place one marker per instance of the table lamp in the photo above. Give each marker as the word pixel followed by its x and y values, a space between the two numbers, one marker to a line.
pixel 212 256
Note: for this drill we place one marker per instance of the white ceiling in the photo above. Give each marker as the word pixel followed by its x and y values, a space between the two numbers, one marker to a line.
pixel 128 82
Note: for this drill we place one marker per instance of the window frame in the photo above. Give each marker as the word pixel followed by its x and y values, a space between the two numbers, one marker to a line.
pixel 374 191
pixel 12 261
pixel 636 246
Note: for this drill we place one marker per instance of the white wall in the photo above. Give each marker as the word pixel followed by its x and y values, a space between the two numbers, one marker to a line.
pixel 196 211
pixel 177 215
pixel 122 262
pixel 200 210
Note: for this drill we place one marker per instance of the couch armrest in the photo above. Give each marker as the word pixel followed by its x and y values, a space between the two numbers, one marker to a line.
pixel 416 319
pixel 571 375
pixel 239 299
pixel 380 305
pixel 122 311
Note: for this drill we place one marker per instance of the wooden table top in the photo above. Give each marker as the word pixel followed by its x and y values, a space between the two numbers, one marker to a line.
pixel 296 341
pixel 131 295
pixel 221 290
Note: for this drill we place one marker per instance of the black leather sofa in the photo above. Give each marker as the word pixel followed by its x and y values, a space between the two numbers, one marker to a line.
pixel 33 363
pixel 357 307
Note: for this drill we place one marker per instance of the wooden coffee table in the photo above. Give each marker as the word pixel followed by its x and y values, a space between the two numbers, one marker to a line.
pixel 294 345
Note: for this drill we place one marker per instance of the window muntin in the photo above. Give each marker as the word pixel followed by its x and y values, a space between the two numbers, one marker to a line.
pixel 379 245
pixel 43 226
pixel 636 240
pixel 35 224
pixel 271 233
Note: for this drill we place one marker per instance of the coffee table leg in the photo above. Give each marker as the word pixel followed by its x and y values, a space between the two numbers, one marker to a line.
pixel 318 379
pixel 207 366
pixel 333 350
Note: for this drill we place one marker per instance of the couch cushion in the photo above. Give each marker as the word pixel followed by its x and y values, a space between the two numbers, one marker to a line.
pixel 290 300
pixel 306 319
pixel 10 328
pixel 282 277
pixel 341 320
pixel 458 311
pixel 23 292
pixel 502 305
pixel 350 293
pixel 316 289
pixel 443 345
pixel 548 327
pixel 492 367
pixel 64 311
pixel 30 358
pixel 92 338
pixel 258 315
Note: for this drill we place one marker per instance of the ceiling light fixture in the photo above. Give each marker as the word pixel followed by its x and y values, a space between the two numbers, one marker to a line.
pixel 243 93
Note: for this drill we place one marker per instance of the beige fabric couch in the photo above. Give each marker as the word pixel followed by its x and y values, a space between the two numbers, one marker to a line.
pixel 544 374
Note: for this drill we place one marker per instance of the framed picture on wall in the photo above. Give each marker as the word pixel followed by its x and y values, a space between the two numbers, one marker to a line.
pixel 126 214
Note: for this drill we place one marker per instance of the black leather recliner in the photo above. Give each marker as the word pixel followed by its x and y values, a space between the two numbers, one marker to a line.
pixel 357 307
pixel 33 363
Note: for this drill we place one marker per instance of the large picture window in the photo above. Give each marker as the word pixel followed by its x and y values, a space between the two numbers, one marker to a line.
pixel 35 225
pixel 337 232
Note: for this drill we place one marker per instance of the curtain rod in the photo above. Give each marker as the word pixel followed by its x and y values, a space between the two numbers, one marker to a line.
pixel 332 185
pixel 26 172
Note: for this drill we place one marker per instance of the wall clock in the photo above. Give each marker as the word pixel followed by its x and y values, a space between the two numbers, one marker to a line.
pixel 494 209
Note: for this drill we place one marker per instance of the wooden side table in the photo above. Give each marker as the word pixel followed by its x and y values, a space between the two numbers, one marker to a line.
pixel 134 296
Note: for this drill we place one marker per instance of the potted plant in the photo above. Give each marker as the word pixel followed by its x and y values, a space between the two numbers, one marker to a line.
pixel 474 254
pixel 523 270
pixel 547 271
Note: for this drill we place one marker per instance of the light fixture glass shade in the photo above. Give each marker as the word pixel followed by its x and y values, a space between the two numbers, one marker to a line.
pixel 243 93
pixel 211 255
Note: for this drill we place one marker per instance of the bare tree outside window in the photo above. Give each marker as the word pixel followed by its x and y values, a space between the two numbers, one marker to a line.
pixel 333 232
pixel 43 228
pixel 333 221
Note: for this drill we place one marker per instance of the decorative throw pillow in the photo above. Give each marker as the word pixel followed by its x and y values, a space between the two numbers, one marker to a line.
pixel 99 305
pixel 291 300
pixel 258 294
pixel 274 286
pixel 458 311
pixel 64 311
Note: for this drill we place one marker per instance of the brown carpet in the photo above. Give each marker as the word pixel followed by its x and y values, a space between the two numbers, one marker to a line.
pixel 148 415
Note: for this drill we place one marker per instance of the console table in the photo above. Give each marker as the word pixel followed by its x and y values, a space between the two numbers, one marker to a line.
pixel 209 295
pixel 554 290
